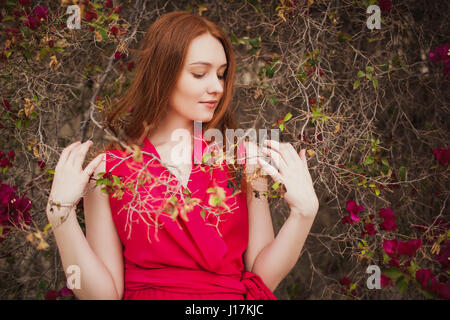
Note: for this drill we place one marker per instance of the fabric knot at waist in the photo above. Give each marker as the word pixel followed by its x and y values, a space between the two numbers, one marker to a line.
pixel 196 281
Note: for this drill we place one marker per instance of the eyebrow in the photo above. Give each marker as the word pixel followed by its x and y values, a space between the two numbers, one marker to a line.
pixel 206 63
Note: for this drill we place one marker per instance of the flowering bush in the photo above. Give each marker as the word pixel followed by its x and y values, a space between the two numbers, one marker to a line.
pixel 368 105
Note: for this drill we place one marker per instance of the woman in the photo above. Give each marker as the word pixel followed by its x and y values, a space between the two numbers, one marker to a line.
pixel 184 231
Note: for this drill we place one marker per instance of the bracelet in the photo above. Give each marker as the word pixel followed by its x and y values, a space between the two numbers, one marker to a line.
pixel 58 204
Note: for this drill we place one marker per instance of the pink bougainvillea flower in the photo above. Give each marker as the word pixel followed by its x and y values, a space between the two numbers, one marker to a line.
pixel 390 247
pixel 388 219
pixel 25 3
pixel 442 289
pixel 346 220
pixel 441 53
pixel 117 10
pixel 65 292
pixel 11 155
pixel 40 12
pixel 6 105
pixel 108 4
pixel 345 281
pixel 51 295
pixel 409 248
pixel 442 155
pixel 41 164
pixel 423 276
pixel 444 255
pixel 4 162
pixel 385 5
pixel 119 55
pixel 353 209
pixel 369 229
pixel 130 65
pixel 89 16
pixel 385 281
pixel 32 22
pixel 114 30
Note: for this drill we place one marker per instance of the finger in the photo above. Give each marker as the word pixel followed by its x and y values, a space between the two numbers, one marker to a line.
pixel 275 159
pixel 270 170
pixel 77 156
pixel 66 152
pixel 90 168
pixel 286 150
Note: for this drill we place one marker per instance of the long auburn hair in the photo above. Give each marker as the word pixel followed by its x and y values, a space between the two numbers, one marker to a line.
pixel 159 63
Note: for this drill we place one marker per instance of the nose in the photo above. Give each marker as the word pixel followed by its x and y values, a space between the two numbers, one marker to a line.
pixel 215 85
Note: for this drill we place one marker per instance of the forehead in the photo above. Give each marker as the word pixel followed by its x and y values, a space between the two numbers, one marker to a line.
pixel 206 49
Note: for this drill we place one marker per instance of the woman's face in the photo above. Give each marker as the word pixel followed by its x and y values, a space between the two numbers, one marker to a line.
pixel 201 80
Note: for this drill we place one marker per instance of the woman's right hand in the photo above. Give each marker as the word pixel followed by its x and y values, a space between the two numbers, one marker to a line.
pixel 70 180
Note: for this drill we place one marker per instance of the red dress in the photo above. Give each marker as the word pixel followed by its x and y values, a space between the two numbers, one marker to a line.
pixel 193 255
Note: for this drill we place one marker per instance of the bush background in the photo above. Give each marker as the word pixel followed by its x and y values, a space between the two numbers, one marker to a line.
pixel 370 142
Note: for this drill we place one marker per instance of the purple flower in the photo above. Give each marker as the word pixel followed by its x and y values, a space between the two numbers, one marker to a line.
pixel 442 53
pixel 385 5
pixel 354 210
pixel 40 12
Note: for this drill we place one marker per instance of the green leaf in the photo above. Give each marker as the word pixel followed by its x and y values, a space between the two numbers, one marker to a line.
pixel 369 69
pixel 116 180
pixel 273 100
pixel 360 74
pixel 369 76
pixel 276 185
pixel 203 213
pixel 402 284
pixel 206 157
pixel 402 173
pixel 210 190
pixel 377 191
pixel 103 33
pixel 282 127
pixel 375 83
pixel 369 160
pixel 18 123
pixel 352 286
pixel 393 273
pixel 356 84
pixel 385 66
pixel 287 117
pixel 385 162
pixel 51 171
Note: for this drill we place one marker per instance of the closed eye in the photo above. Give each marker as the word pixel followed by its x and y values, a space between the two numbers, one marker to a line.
pixel 198 76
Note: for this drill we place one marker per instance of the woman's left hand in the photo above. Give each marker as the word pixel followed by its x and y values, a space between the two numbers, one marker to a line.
pixel 291 169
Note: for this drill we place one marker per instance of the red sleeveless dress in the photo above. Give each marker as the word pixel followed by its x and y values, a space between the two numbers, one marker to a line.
pixel 174 255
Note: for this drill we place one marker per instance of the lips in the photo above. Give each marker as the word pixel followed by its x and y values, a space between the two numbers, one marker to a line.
pixel 210 104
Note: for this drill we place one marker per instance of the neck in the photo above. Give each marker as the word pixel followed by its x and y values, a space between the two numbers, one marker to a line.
pixel 164 133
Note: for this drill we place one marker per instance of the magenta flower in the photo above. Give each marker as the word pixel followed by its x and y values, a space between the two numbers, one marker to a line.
pixel 385 281
pixel 6 105
pixel 385 5
pixel 108 4
pixel 345 282
pixel 388 219
pixel 442 53
pixel 390 247
pixel 89 16
pixel 40 12
pixel 25 3
pixel 33 23
pixel 353 209
pixel 51 295
pixel 409 248
pixel 423 276
pixel 444 255
pixel 369 229
pixel 65 292
pixel 442 155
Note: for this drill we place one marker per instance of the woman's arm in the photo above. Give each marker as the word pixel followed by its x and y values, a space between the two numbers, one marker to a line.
pixel 273 258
